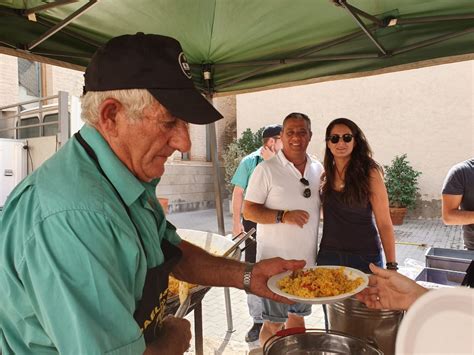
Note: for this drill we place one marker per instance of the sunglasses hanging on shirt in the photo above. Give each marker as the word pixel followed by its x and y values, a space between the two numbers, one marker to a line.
pixel 307 190
pixel 334 139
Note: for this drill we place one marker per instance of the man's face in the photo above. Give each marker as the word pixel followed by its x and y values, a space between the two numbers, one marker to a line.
pixel 295 136
pixel 144 145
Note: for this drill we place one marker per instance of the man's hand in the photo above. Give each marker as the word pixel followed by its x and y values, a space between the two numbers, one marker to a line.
pixel 173 338
pixel 267 152
pixel 298 217
pixel 264 269
pixel 389 290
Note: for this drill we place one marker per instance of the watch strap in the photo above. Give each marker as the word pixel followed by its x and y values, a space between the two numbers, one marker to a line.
pixel 279 216
pixel 247 276
pixel 392 265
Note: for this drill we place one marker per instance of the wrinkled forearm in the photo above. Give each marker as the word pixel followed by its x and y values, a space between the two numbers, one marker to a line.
pixel 199 267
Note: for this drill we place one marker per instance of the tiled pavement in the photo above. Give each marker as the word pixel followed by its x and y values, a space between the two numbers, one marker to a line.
pixel 413 239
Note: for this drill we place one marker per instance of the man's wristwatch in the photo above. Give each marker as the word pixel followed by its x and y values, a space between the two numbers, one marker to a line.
pixel 279 216
pixel 248 276
pixel 392 265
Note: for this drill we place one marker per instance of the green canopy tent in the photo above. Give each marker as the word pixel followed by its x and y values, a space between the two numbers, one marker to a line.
pixel 236 45
pixel 244 45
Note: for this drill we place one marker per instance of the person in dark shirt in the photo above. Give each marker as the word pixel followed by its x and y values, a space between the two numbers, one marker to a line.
pixel 355 202
pixel 458 199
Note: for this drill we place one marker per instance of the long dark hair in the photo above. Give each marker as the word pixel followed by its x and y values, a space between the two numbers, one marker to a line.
pixel 357 185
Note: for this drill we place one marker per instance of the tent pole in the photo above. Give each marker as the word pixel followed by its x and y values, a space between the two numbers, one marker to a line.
pixel 48 23
pixel 61 24
pixel 47 6
pixel 315 49
pixel 432 41
pixel 371 18
pixel 362 26
pixel 217 188
pixel 428 19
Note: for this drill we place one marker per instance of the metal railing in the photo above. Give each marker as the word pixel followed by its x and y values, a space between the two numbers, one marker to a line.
pixel 42 108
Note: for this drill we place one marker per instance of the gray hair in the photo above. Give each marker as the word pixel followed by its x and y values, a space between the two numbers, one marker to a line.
pixel 133 100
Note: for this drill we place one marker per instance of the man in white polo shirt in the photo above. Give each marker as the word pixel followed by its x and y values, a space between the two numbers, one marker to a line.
pixel 283 199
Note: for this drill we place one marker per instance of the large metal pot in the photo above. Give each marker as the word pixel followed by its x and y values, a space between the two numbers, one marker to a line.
pixel 300 341
pixel 353 317
pixel 211 242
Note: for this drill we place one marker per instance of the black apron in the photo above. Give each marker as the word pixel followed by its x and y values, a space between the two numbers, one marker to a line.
pixel 151 308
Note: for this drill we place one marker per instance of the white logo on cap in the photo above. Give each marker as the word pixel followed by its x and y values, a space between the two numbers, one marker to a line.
pixel 183 63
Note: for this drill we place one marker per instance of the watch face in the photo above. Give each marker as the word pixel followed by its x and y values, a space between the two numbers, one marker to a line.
pixel 279 216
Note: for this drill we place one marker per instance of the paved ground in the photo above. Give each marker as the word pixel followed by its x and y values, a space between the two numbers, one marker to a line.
pixel 413 238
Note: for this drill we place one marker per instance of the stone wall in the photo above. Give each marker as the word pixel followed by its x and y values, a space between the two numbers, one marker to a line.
pixel 187 185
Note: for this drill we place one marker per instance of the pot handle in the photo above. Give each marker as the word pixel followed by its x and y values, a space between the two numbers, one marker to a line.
pixel 290 331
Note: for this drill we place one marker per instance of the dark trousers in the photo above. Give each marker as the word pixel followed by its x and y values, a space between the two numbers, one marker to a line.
pixel 250 246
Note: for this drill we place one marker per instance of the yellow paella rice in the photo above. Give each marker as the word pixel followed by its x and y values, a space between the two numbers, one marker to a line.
pixel 319 282
pixel 173 286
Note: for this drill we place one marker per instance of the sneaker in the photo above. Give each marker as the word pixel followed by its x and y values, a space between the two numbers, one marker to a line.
pixel 253 333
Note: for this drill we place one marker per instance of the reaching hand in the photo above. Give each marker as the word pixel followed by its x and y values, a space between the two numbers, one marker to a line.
pixel 298 217
pixel 264 269
pixel 389 290
pixel 267 152
pixel 173 337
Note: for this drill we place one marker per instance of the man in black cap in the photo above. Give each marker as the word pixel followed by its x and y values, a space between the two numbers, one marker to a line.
pixel 271 144
pixel 86 249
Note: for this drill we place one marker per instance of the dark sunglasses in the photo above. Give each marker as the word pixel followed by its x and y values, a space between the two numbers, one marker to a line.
pixel 335 138
pixel 307 191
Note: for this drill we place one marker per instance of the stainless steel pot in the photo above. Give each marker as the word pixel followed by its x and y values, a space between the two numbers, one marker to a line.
pixel 353 317
pixel 300 341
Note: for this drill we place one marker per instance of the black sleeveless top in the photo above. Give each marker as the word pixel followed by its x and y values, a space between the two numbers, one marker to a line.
pixel 348 228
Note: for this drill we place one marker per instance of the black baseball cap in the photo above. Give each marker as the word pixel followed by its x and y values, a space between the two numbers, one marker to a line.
pixel 153 62
pixel 271 131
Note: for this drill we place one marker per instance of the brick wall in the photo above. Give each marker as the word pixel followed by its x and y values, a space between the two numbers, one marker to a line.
pixel 8 80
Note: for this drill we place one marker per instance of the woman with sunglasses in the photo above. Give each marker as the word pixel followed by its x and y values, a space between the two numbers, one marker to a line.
pixel 353 193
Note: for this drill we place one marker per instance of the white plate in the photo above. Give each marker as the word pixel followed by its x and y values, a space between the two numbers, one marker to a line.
pixel 351 273
pixel 439 322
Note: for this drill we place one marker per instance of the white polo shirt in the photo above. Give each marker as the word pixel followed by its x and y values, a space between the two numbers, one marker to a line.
pixel 275 183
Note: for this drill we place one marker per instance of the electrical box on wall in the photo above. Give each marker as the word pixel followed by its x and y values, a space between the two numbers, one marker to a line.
pixel 13 166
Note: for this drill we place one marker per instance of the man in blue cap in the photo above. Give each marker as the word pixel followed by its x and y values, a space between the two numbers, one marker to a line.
pixel 271 144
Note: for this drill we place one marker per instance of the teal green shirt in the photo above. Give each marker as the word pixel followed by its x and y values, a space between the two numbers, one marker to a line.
pixel 72 268
pixel 245 169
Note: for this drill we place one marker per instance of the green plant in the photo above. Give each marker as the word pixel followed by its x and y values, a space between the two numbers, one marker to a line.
pixel 401 181
pixel 238 149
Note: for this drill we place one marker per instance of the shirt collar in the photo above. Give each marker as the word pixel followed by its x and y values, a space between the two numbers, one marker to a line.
pixel 127 185
pixel 285 161
pixel 283 158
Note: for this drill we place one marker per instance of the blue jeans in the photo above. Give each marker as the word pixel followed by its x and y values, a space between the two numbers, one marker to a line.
pixel 355 261
pixel 278 312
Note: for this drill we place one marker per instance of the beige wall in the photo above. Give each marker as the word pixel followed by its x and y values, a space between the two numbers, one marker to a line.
pixel 427 113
